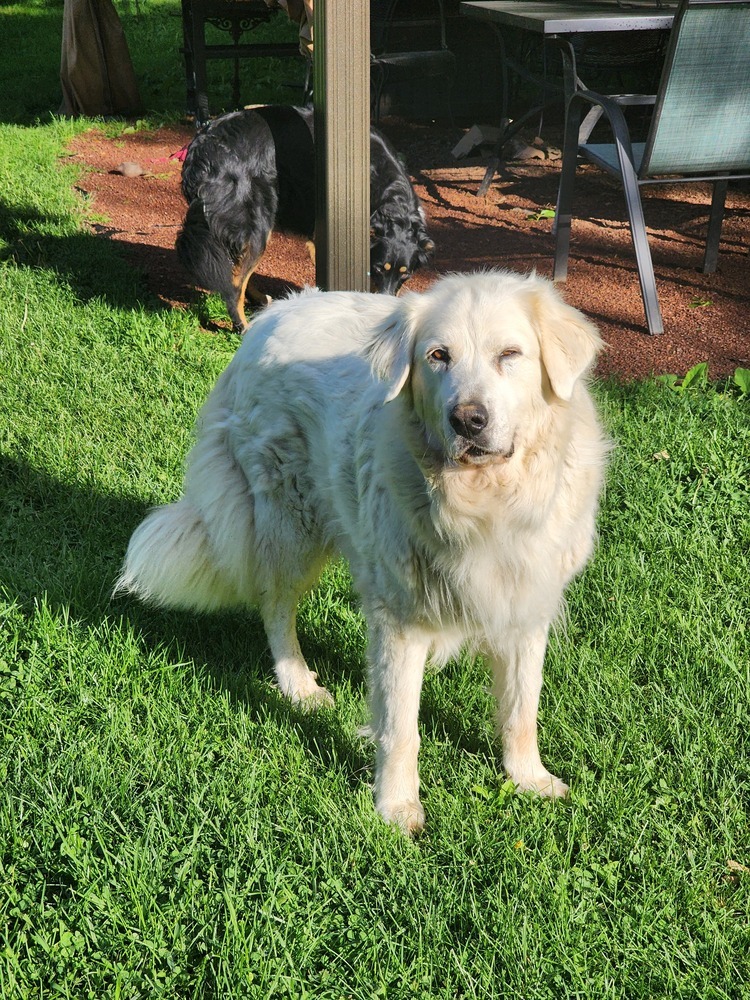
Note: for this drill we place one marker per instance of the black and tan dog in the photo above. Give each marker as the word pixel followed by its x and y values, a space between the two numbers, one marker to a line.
pixel 250 172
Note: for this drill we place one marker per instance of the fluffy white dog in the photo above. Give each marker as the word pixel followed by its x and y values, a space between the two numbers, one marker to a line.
pixel 447 445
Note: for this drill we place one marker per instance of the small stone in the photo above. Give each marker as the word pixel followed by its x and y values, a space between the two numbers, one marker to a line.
pixel 129 169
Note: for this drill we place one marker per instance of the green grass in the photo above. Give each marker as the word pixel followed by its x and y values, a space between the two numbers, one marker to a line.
pixel 30 42
pixel 170 828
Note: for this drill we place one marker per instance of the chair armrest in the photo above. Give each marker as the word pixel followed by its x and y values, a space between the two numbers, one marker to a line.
pixel 612 108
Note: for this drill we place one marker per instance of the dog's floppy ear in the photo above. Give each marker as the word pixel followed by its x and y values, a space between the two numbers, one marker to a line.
pixel 391 350
pixel 569 342
pixel 424 240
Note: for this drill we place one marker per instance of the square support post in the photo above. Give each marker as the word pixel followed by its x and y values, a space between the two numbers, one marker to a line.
pixel 341 90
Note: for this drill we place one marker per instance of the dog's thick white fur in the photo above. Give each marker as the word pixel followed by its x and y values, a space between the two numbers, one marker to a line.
pixel 447 445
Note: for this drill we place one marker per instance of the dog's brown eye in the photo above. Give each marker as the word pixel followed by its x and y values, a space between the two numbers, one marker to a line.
pixel 512 352
pixel 440 355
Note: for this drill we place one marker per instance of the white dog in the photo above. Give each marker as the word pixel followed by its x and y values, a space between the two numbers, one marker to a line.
pixel 447 445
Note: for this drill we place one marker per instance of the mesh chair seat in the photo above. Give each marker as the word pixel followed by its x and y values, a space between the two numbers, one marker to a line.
pixel 604 155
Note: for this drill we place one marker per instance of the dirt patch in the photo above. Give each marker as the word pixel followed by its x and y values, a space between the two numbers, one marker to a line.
pixel 706 317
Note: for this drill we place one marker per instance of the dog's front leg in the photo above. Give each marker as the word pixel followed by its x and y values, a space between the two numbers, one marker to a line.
pixel 396 664
pixel 517 684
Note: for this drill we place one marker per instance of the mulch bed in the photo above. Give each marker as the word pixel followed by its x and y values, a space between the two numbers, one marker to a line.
pixel 706 317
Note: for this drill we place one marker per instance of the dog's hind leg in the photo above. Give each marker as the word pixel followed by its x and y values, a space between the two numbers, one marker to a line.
pixel 295 679
pixel 257 297
pixel 235 300
pixel 242 284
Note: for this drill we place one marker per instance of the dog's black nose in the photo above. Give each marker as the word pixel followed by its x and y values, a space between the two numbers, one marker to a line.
pixel 469 419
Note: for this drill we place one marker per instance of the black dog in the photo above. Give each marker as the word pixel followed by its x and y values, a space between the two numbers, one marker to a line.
pixel 250 172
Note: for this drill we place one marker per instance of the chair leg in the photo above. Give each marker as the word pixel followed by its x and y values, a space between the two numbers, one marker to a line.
pixel 187 51
pixel 715 221
pixel 307 87
pixel 563 212
pixel 492 164
pixel 448 98
pixel 377 82
pixel 643 259
pixel 198 48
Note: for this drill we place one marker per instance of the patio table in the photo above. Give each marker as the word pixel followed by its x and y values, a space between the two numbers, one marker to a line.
pixel 559 21
pixel 548 17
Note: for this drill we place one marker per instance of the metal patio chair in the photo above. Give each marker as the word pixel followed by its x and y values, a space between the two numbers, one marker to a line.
pixel 699 131
pixel 408 46
pixel 237 19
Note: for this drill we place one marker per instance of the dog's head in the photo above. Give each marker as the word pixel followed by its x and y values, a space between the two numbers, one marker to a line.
pixel 399 245
pixel 483 358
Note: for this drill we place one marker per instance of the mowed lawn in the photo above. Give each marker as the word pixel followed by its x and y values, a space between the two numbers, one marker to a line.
pixel 171 828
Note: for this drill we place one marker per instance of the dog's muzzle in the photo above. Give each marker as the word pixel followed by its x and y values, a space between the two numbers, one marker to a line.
pixel 389 281
pixel 469 421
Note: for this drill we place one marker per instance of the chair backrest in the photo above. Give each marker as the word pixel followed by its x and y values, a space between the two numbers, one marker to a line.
pixel 701 121
pixel 406 25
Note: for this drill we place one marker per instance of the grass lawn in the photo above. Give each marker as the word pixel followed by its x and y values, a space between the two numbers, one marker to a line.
pixel 171 828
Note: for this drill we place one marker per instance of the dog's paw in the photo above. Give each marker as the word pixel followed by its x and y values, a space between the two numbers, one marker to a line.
pixel 544 784
pixel 300 687
pixel 313 698
pixel 408 816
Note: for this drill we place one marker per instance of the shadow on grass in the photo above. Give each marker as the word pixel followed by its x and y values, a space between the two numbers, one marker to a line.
pixel 93 268
pixel 161 269
pixel 63 544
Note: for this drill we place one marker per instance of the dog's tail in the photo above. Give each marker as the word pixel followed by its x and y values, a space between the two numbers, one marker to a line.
pixel 169 562
pixel 196 554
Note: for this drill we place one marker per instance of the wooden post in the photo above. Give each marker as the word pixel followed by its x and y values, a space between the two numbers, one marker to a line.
pixel 341 66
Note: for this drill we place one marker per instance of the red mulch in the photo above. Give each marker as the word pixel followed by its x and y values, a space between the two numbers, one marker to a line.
pixel 706 317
